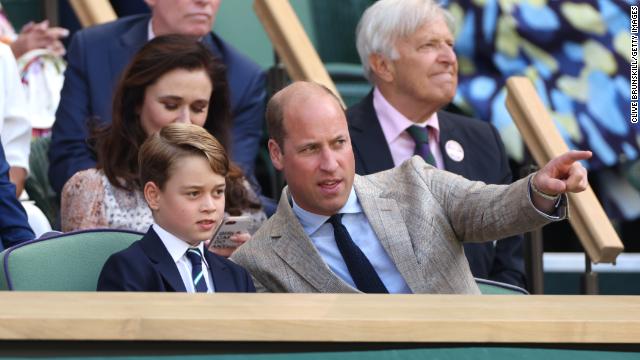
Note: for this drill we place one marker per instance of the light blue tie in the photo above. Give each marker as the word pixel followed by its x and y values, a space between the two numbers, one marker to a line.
pixel 197 273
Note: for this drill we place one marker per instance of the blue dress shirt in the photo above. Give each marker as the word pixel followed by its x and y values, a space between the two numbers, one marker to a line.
pixel 356 222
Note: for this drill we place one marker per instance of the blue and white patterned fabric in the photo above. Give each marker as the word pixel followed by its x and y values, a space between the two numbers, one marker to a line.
pixel 577 53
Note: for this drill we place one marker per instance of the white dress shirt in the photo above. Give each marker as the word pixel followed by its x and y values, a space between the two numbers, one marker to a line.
pixel 178 250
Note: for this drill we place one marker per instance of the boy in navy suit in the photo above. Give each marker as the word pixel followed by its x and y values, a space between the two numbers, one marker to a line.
pixel 182 174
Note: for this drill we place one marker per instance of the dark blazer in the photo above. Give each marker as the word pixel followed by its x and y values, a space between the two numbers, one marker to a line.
pixel 96 58
pixel 484 160
pixel 14 226
pixel 146 265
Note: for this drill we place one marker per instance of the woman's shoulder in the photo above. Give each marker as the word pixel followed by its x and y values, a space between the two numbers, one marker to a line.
pixel 85 180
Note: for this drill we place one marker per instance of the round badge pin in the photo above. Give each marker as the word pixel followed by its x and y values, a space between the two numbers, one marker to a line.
pixel 454 150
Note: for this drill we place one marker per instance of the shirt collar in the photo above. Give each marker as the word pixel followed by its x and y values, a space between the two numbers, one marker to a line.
pixel 394 124
pixel 312 222
pixel 150 33
pixel 176 247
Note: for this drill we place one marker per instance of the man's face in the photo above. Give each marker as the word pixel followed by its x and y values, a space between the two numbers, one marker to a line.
pixel 317 159
pixel 426 73
pixel 186 17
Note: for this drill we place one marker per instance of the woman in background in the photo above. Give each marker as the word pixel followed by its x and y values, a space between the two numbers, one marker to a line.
pixel 173 78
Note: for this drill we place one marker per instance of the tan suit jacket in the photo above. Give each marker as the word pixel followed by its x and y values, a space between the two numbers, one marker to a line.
pixel 420 215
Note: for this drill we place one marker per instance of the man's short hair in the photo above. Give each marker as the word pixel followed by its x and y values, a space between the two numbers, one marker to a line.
pixel 386 21
pixel 277 105
pixel 161 151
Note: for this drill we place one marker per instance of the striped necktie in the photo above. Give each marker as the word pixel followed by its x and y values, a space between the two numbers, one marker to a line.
pixel 421 137
pixel 197 273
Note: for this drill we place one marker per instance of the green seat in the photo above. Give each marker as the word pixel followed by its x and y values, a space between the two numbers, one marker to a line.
pixel 490 287
pixel 64 262
pixel 37 184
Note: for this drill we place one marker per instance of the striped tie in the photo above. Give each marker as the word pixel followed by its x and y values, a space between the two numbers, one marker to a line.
pixel 421 137
pixel 197 273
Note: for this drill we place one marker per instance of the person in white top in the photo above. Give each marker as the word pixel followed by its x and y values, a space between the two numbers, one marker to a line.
pixel 15 133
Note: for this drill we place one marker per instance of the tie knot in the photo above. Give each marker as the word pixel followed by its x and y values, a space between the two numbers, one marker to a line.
pixel 335 219
pixel 419 134
pixel 194 255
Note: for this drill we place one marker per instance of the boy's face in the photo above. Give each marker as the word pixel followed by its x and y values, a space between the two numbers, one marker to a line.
pixel 192 203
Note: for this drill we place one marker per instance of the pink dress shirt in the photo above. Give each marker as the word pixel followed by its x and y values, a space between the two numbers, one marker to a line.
pixel 394 124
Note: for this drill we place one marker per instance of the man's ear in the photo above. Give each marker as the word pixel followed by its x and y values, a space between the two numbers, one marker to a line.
pixel 276 154
pixel 152 195
pixel 382 67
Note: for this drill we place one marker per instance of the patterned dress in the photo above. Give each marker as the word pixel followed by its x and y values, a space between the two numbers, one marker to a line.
pixel 90 201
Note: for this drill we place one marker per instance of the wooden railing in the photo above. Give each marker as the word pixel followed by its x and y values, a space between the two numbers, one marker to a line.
pixel 291 42
pixel 319 318
pixel 93 12
pixel 588 219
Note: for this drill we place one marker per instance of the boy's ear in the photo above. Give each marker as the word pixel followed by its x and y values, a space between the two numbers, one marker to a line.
pixel 276 154
pixel 152 195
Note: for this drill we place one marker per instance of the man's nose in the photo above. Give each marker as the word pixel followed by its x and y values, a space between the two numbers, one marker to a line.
pixel 328 161
pixel 447 54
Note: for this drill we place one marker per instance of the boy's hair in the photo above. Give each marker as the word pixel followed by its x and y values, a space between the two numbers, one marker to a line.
pixel 162 150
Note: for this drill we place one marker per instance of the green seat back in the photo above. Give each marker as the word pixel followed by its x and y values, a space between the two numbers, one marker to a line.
pixel 489 287
pixel 66 262
pixel 37 184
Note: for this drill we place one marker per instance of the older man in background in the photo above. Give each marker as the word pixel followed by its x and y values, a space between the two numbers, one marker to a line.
pixel 406 49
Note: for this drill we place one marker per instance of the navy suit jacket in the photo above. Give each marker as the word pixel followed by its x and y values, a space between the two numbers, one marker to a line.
pixel 146 265
pixel 14 226
pixel 96 58
pixel 484 160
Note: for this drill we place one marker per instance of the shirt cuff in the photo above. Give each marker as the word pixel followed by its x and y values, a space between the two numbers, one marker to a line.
pixel 560 207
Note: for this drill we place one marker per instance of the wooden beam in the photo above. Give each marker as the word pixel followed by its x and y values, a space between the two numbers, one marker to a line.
pixel 319 318
pixel 93 12
pixel 292 43
pixel 588 219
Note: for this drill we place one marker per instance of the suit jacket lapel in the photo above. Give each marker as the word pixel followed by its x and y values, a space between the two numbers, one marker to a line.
pixel 222 282
pixel 367 138
pixel 296 249
pixel 449 132
pixel 389 225
pixel 129 43
pixel 210 43
pixel 162 260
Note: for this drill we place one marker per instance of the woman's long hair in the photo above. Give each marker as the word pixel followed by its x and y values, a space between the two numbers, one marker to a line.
pixel 117 143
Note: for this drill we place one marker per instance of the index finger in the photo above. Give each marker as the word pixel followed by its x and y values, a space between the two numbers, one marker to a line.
pixel 57 32
pixel 572 156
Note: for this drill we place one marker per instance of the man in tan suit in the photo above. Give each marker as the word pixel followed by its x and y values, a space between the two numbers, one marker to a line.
pixel 397 231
